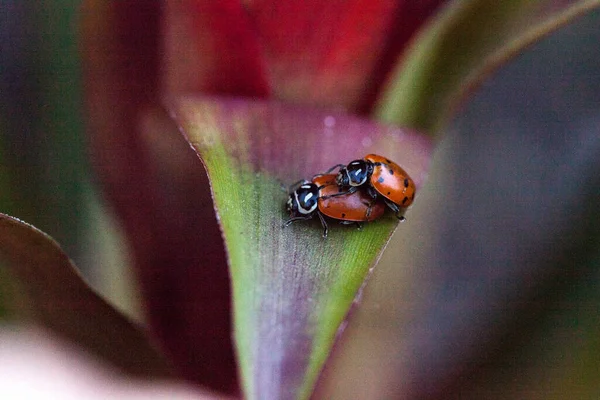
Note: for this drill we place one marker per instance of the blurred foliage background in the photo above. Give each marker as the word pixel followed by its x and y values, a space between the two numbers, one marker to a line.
pixel 496 288
pixel 504 243
pixel 45 176
pixel 45 168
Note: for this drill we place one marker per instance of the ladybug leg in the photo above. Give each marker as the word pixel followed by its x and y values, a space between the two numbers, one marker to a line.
pixel 291 220
pixel 334 167
pixel 372 192
pixel 349 191
pixel 369 209
pixel 394 207
pixel 358 224
pixel 324 224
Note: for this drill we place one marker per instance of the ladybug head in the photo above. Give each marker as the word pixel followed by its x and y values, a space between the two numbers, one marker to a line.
pixel 304 199
pixel 354 174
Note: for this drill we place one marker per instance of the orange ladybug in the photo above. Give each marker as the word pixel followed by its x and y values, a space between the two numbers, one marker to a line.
pixel 322 197
pixel 382 177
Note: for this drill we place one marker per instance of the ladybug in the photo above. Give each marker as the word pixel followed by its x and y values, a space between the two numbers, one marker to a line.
pixel 322 197
pixel 382 177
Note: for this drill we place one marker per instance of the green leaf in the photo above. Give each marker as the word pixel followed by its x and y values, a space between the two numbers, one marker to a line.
pixel 52 293
pixel 467 42
pixel 292 288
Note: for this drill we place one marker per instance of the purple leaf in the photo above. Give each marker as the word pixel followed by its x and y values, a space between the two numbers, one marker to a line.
pixel 291 287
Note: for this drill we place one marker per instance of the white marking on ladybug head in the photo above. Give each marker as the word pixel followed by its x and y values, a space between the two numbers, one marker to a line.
pixel 301 209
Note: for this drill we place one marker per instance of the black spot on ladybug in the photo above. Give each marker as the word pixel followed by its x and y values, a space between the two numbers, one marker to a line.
pixel 388 161
pixel 380 180
pixel 343 215
pixel 406 182
pixel 377 164
pixel 391 172
pixel 404 200
pixel 389 193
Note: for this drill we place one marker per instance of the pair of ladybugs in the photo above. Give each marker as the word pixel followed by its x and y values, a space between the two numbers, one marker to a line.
pixel 358 193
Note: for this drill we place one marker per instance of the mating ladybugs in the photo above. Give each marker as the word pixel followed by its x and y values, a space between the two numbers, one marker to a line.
pixel 322 196
pixel 380 177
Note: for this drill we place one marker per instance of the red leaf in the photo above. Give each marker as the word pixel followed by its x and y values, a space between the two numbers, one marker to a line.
pixel 210 46
pixel 53 294
pixel 334 53
pixel 164 208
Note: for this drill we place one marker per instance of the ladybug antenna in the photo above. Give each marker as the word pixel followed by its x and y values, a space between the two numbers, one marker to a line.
pixel 340 166
pixel 292 220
